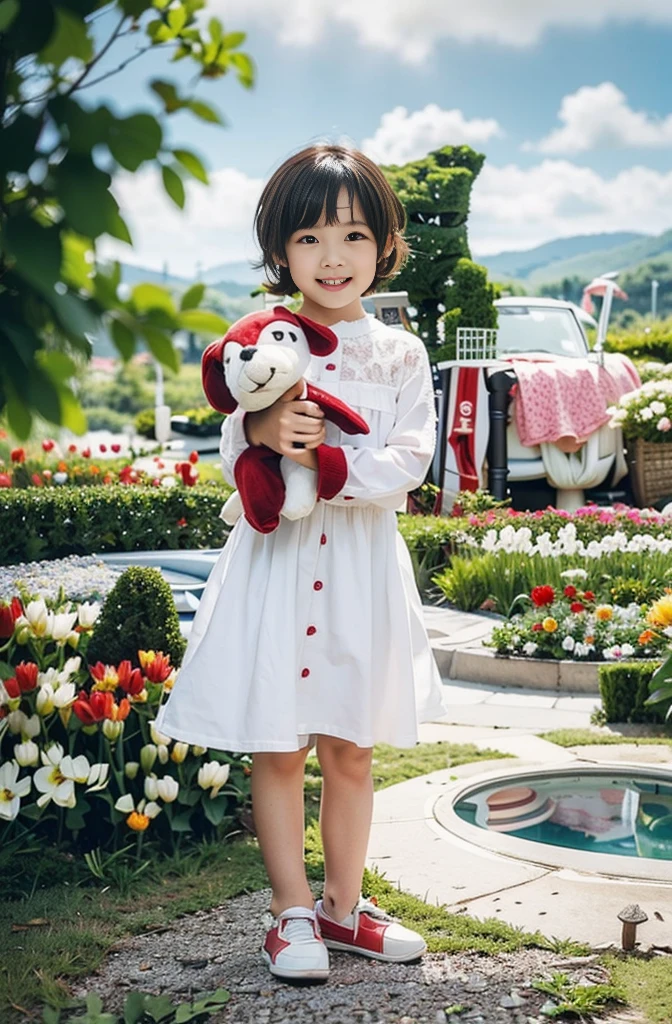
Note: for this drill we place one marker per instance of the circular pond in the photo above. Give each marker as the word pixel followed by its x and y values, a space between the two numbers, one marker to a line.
pixel 566 816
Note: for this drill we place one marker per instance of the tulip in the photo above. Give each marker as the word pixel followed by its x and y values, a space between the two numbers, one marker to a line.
pixel 60 478
pixel 11 790
pixel 26 675
pixel 163 754
pixel 116 448
pixel 213 775
pixel 27 754
pixel 157 737
pixel 179 752
pixel 199 751
pixel 131 769
pixel 148 757
pixel 9 613
pixel 45 700
pixel 59 626
pixel 48 445
pixel 112 729
pixel 155 665
pixel 151 788
pixel 168 788
pixel 87 614
pixel 18 455
pixel 56 781
pixel 37 616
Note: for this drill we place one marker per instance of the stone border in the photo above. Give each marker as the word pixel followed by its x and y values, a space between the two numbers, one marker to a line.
pixel 484 666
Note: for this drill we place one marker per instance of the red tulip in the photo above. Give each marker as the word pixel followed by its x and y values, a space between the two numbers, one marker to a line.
pixel 86 452
pixel 542 596
pixel 570 591
pixel 115 447
pixel 48 444
pixel 72 448
pixel 26 675
pixel 9 613
pixel 18 455
pixel 130 680
pixel 12 687
pixel 102 447
pixel 37 480
pixel 193 458
pixel 5 480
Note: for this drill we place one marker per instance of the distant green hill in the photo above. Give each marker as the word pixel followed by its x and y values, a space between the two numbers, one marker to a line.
pixel 523 264
pixel 621 257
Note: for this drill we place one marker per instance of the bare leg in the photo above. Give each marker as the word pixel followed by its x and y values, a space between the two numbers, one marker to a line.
pixel 278 813
pixel 346 809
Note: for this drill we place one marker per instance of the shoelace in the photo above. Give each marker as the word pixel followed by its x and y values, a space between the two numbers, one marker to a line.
pixel 369 907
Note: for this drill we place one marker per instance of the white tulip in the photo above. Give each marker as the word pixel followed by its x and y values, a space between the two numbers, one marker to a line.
pixel 125 804
pixel 151 788
pixel 87 613
pixel 168 788
pixel 27 753
pixel 11 790
pixel 37 615
pixel 65 695
pixel 44 702
pixel 157 737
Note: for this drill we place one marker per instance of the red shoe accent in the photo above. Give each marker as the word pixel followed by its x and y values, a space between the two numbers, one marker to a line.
pixel 370 933
pixel 273 944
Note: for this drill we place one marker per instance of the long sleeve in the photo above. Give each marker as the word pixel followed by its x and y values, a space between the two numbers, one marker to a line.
pixel 383 476
pixel 233 442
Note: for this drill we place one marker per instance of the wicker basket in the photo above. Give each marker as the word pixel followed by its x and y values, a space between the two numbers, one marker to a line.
pixel 650 465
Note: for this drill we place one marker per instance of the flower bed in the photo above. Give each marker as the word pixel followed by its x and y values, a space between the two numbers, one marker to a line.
pixel 572 624
pixel 81 762
pixel 79 577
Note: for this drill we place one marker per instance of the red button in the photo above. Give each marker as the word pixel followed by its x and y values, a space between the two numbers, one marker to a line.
pixel 311 630
pixel 330 366
pixel 317 585
pixel 323 539
pixel 347 498
pixel 305 672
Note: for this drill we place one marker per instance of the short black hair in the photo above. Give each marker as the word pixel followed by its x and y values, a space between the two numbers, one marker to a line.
pixel 297 193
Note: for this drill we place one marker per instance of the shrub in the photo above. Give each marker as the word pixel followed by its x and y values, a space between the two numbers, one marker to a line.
pixel 52 522
pixel 144 423
pixel 139 614
pixel 624 688
pixel 99 417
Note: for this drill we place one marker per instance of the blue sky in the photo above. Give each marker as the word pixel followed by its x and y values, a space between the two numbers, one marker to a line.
pixel 569 101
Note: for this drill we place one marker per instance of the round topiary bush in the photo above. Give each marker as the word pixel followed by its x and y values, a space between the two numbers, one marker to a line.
pixel 139 614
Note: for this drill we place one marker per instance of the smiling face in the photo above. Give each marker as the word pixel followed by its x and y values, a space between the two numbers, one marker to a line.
pixel 333 265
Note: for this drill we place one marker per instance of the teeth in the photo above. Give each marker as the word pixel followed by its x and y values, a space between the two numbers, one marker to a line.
pixel 336 280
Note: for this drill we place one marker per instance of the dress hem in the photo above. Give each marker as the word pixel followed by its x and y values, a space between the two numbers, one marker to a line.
pixel 261 746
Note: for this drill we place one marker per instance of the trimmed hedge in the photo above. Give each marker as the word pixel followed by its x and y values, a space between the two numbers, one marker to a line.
pixel 624 688
pixel 53 522
pixel 139 614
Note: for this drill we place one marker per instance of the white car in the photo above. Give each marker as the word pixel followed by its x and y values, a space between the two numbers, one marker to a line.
pixel 552 327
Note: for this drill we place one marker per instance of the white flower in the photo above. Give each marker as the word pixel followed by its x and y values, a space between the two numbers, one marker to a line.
pixel 27 753
pixel 37 615
pixel 657 407
pixel 56 781
pixel 664 424
pixel 157 737
pixel 213 774
pixel 627 650
pixel 60 626
pixel 168 788
pixel 574 574
pixel 87 613
pixel 11 790
pixel 646 413
pixel 568 643
pixel 529 648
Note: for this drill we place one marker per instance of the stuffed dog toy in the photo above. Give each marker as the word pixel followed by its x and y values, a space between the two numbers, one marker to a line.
pixel 261 357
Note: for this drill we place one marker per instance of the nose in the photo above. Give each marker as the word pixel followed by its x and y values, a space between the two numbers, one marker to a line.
pixel 248 353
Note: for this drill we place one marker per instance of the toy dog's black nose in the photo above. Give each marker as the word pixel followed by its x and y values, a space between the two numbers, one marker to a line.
pixel 248 353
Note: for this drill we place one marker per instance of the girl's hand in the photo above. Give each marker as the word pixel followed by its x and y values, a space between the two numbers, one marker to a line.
pixel 286 421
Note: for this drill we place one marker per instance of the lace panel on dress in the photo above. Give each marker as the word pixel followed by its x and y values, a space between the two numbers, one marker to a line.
pixel 381 357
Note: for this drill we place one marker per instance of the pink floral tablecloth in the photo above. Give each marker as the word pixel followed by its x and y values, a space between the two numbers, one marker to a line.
pixel 567 398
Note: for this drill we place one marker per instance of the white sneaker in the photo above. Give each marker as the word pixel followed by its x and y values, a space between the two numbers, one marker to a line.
pixel 293 947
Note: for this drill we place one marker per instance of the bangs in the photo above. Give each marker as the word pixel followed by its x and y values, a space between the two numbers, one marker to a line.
pixel 307 186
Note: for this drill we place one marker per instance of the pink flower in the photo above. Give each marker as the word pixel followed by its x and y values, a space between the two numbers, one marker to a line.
pixel 664 423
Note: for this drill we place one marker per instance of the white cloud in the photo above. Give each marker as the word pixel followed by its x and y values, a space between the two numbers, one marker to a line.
pixel 599 117
pixel 402 136
pixel 214 227
pixel 410 31
pixel 514 207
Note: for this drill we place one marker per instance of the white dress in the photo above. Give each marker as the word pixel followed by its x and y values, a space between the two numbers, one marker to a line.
pixel 318 626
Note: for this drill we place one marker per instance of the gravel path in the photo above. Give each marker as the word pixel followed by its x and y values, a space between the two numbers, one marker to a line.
pixel 220 948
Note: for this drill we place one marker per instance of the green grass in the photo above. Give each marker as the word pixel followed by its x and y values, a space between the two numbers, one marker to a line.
pixel 583 737
pixel 81 917
pixel 646 984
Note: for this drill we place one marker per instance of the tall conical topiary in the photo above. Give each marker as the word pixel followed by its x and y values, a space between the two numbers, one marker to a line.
pixel 470 303
pixel 139 614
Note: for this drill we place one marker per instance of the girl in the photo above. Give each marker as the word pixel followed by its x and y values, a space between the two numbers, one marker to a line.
pixel 313 635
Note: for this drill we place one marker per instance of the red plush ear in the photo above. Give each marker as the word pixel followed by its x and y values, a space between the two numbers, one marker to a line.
pixel 214 381
pixel 321 339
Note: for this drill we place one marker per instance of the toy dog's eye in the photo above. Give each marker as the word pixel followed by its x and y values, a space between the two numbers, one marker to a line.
pixel 292 335
pixel 278 335
pixel 228 359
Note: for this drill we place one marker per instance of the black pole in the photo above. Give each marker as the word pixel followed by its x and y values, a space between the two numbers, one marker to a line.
pixel 499 385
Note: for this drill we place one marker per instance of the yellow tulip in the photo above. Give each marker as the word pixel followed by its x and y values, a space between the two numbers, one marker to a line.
pixel 550 625
pixel 660 613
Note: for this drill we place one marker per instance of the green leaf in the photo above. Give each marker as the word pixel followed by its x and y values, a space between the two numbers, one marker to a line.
pixel 192 297
pixel 19 417
pixel 662 674
pixel 8 11
pixel 83 191
pixel 57 364
pixel 245 68
pixel 152 296
pixel 202 321
pixel 85 128
pixel 72 415
pixel 233 39
pixel 204 111
pixel 70 39
pixel 214 809
pixel 123 338
pixel 77 261
pixel 132 140
pixel 191 163
pixel 215 29
pixel 173 185
pixel 161 347
pixel 168 93
pixel 177 19
pixel 37 250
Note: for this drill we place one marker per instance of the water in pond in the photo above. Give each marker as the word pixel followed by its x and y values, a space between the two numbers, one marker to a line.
pixel 625 814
